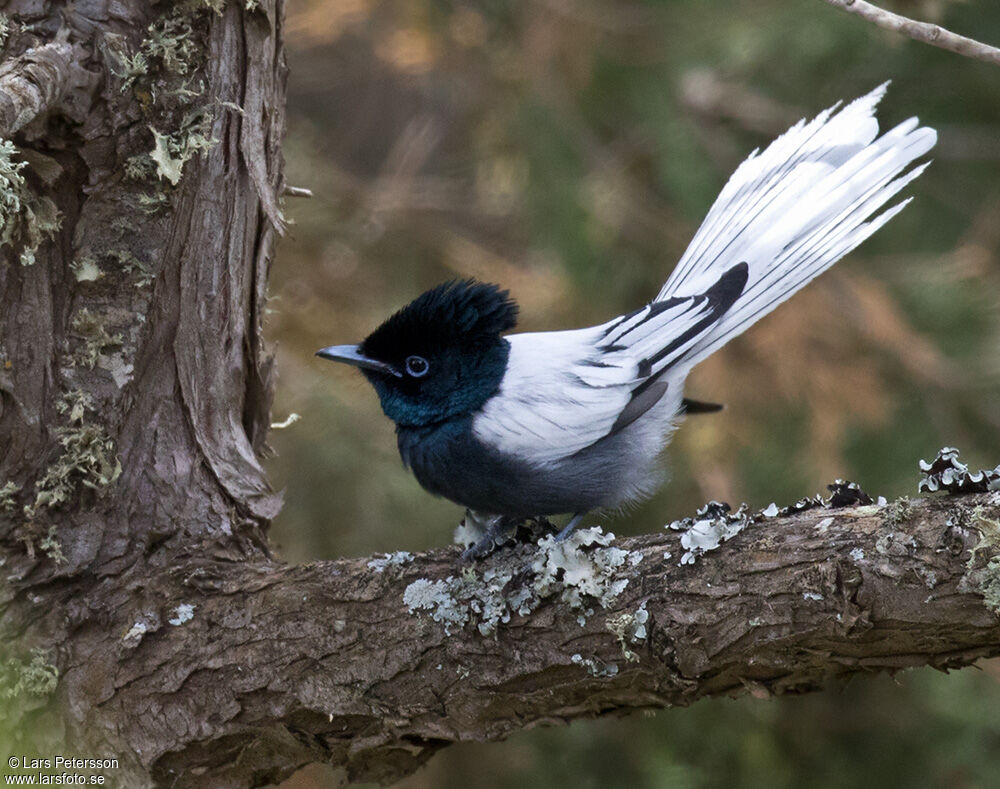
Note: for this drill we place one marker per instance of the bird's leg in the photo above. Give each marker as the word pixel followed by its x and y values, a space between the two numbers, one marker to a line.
pixel 498 529
pixel 567 530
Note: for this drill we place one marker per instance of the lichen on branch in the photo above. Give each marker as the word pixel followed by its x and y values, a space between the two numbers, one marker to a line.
pixel 27 220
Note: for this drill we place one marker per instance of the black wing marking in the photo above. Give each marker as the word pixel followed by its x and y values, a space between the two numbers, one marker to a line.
pixel 719 298
pixel 640 403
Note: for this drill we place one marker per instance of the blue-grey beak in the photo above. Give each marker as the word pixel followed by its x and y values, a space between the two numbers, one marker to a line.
pixel 351 354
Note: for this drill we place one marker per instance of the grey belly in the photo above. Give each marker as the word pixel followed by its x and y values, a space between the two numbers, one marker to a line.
pixel 448 460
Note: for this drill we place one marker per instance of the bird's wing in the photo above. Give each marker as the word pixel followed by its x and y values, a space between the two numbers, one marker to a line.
pixel 563 391
pixel 545 410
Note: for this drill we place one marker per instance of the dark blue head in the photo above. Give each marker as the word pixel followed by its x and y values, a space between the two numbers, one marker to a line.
pixel 440 356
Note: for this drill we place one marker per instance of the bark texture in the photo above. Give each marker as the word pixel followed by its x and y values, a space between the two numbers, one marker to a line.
pixel 134 393
pixel 134 399
pixel 32 83
pixel 336 661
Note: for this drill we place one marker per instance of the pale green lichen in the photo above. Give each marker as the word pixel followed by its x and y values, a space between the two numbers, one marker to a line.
pixel 170 49
pixel 629 628
pixel 27 683
pixel 123 225
pixel 132 265
pixel 185 92
pixel 35 677
pixel 167 165
pixel 139 167
pixel 171 41
pixel 4 28
pixel 989 585
pixel 230 105
pixel 986 579
pixel 87 459
pixel 8 496
pixel 119 369
pixel 152 203
pixel 171 151
pixel 85 269
pixel 26 219
pixel 135 633
pixel 989 531
pixel 128 66
pixel 894 543
pixel 982 576
pixel 455 601
pixel 712 525
pixel 823 526
pixel 164 70
pixel 595 667
pixel 91 329
pixel 75 405
pixel 182 614
pixel 51 547
pixel 381 563
pixel 582 571
pixel 897 511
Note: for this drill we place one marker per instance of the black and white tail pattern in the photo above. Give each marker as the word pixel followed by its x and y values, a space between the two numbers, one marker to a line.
pixel 786 215
pixel 794 210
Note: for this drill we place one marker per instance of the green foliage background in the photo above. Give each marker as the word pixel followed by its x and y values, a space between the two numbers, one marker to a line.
pixel 568 149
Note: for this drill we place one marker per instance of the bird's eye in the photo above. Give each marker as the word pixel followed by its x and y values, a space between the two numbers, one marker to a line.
pixel 417 366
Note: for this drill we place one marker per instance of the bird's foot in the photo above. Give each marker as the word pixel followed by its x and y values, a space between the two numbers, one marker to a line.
pixel 483 533
pixel 495 530
pixel 567 530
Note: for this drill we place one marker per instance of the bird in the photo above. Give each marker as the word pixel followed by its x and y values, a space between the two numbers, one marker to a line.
pixel 514 426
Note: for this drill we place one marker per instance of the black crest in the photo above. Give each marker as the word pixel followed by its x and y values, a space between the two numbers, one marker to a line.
pixel 462 313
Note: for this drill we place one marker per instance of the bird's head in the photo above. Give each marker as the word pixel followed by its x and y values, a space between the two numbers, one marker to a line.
pixel 440 356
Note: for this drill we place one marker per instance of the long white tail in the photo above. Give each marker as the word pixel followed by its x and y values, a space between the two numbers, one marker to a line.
pixel 793 211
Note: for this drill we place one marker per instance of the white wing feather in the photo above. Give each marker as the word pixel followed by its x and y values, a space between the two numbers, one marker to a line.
pixel 544 411
pixel 563 391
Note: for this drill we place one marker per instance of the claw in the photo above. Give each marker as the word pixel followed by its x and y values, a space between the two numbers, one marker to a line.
pixel 498 530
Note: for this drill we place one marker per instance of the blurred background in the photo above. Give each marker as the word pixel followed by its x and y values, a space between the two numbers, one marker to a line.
pixel 568 149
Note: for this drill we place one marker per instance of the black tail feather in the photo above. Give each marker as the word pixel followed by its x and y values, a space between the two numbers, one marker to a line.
pixel 689 406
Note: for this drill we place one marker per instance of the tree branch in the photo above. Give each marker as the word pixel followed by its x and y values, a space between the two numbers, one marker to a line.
pixel 935 35
pixel 375 664
pixel 32 84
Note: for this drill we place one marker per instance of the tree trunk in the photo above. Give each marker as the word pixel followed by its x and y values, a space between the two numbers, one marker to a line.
pixel 134 400
pixel 134 385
